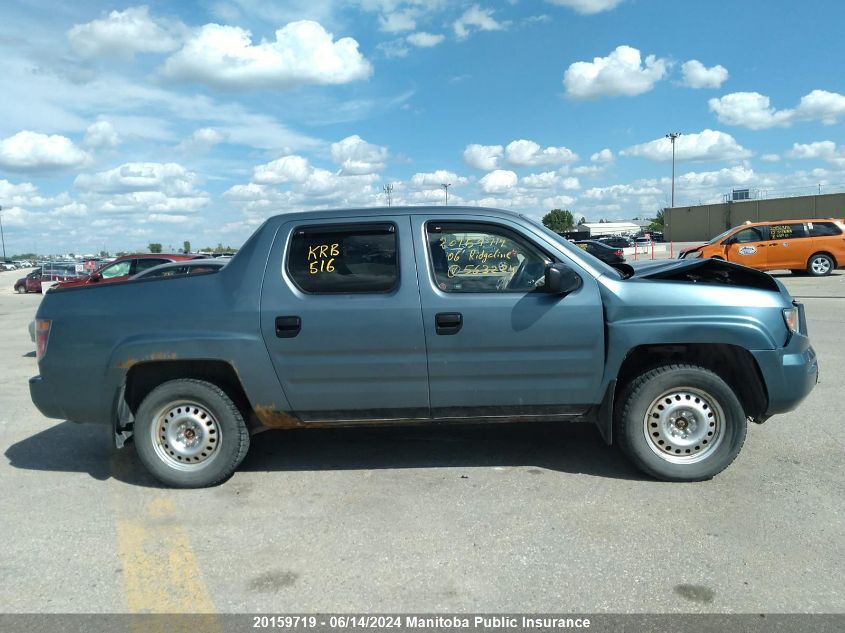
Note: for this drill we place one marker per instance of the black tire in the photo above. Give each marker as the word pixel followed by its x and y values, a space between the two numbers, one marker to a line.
pixel 222 429
pixel 820 265
pixel 20 290
pixel 712 409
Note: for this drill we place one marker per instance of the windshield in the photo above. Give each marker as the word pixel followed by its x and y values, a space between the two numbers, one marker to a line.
pixel 576 252
pixel 719 237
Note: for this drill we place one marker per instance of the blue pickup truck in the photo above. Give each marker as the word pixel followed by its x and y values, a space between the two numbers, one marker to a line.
pixel 424 315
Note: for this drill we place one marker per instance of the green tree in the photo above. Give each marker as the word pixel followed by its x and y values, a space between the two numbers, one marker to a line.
pixel 583 220
pixel 154 247
pixel 186 246
pixel 657 223
pixel 559 220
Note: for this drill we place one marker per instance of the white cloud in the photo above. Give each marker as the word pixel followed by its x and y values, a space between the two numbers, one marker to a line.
pixel 620 73
pixel 770 158
pixel 282 170
pixel 545 180
pixel 753 110
pixel 479 19
pixel 425 40
pixel 202 140
pixel 398 21
pixel 357 156
pixel 435 180
pixel 484 157
pixel 749 109
pixel 819 150
pixel 498 181
pixel 124 33
pixel 727 177
pixel 558 202
pixel 169 179
pixel 303 52
pixel 32 152
pixel 697 75
pixel 153 202
pixel 529 154
pixel 588 7
pixel 604 156
pixel 704 145
pixel 101 135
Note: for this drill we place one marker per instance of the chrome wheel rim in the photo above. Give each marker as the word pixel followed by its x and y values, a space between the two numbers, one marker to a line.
pixel 684 425
pixel 185 435
pixel 820 265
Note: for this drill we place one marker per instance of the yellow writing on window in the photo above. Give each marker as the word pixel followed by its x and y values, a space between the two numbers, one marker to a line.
pixel 321 258
pixel 780 231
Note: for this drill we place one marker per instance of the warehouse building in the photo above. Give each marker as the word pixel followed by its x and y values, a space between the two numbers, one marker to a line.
pixel 703 222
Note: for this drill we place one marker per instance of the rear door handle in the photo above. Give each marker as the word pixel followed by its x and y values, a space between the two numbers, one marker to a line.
pixel 448 322
pixel 288 326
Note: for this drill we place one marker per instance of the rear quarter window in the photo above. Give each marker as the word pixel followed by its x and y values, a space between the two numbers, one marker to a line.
pixel 823 229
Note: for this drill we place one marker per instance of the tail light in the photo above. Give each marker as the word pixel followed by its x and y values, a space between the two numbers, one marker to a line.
pixel 618 252
pixel 42 335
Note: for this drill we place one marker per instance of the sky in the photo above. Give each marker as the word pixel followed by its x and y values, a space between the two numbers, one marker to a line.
pixel 123 124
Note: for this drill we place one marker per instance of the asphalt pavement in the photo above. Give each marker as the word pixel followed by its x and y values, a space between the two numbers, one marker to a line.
pixel 522 518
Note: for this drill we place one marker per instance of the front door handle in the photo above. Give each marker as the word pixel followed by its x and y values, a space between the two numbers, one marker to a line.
pixel 448 322
pixel 288 326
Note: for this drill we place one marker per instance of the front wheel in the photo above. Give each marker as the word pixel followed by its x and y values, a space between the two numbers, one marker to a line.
pixel 680 423
pixel 20 290
pixel 820 265
pixel 189 434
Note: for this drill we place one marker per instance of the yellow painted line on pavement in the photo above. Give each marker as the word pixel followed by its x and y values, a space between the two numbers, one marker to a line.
pixel 160 571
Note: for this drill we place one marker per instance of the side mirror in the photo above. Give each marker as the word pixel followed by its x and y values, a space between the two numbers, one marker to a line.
pixel 561 279
pixel 96 277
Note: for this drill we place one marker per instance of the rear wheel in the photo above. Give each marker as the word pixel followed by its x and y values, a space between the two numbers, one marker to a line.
pixel 189 434
pixel 20 289
pixel 820 265
pixel 680 423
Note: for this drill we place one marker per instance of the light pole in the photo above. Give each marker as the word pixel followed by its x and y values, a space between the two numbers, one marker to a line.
pixel 388 189
pixel 2 237
pixel 672 136
pixel 446 186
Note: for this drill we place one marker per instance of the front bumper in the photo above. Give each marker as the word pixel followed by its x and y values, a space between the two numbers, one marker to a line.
pixel 790 373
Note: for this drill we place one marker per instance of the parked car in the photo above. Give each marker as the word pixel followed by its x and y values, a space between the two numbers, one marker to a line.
pixel 30 283
pixel 125 267
pixel 53 273
pixel 193 267
pixel 358 317
pixel 604 252
pixel 642 241
pixel 816 247
pixel 615 241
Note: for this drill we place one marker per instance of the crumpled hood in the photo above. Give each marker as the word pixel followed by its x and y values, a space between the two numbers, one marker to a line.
pixel 712 271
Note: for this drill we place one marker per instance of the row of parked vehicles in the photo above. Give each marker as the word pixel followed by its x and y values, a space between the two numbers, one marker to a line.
pixel 120 269
pixel 17 264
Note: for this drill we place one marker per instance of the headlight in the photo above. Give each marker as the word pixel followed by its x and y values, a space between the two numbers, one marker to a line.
pixel 790 317
pixel 693 254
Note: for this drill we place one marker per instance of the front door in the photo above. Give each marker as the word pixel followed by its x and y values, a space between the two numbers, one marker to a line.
pixel 340 314
pixel 498 346
pixel 749 247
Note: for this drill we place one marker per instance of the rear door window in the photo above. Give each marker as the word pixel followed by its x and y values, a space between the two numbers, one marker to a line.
pixel 145 264
pixel 789 231
pixel 344 259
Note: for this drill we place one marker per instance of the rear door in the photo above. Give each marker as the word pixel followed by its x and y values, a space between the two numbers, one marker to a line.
pixel 790 246
pixel 749 247
pixel 498 346
pixel 340 314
